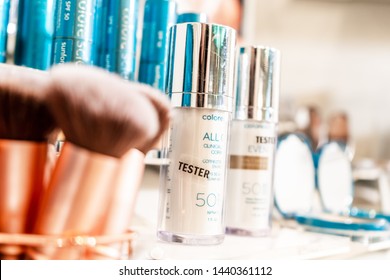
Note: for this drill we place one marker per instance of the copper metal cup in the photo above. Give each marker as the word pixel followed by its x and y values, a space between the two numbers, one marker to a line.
pixel 87 247
pixel 89 194
pixel 22 172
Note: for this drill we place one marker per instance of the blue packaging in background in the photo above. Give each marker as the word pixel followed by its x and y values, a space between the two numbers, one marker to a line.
pixel 119 37
pixel 159 16
pixel 34 37
pixel 4 18
pixel 76 33
pixel 192 17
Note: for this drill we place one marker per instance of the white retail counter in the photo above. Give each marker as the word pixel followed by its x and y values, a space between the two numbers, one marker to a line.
pixel 287 241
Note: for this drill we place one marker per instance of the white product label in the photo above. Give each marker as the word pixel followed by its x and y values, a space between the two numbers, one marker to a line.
pixel 195 178
pixel 250 174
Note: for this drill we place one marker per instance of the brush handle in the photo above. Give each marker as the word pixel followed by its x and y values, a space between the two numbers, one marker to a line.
pixel 121 207
pixel 78 192
pixel 22 169
pixel 81 197
pixel 124 193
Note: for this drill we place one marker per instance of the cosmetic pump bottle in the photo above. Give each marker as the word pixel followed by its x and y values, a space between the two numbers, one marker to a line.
pixel 76 31
pixel 252 142
pixel 34 36
pixel 118 48
pixel 4 18
pixel 200 86
pixel 159 16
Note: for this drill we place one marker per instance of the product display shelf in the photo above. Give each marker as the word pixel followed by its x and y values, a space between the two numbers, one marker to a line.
pixel 287 241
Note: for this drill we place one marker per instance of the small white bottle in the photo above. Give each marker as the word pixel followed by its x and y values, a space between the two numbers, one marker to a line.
pixel 200 85
pixel 252 142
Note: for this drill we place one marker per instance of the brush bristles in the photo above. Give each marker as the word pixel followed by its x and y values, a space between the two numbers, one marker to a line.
pixel 101 112
pixel 23 110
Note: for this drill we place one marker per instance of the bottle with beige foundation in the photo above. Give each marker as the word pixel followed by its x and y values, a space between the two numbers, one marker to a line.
pixel 253 142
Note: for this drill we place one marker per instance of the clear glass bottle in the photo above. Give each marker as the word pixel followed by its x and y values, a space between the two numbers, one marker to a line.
pixel 200 85
pixel 253 142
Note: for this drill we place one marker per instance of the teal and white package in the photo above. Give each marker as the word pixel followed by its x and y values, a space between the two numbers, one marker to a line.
pixel 119 44
pixel 335 188
pixel 295 189
pixel 343 225
pixel 294 180
pixel 35 34
pixel 368 214
pixel 4 18
pixel 159 16
pixel 334 178
pixel 75 34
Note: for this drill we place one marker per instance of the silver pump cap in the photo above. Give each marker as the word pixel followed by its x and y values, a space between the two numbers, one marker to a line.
pixel 200 70
pixel 257 88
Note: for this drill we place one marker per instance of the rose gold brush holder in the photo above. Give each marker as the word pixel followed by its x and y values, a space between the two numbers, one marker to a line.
pixel 22 170
pixel 80 240
pixel 109 247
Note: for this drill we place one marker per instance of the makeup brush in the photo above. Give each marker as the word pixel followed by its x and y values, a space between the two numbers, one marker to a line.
pixel 119 212
pixel 25 126
pixel 102 117
pixel 129 177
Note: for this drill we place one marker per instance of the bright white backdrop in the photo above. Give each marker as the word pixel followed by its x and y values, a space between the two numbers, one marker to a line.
pixel 335 54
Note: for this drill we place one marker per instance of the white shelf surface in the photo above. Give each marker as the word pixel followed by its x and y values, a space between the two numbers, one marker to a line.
pixel 287 240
